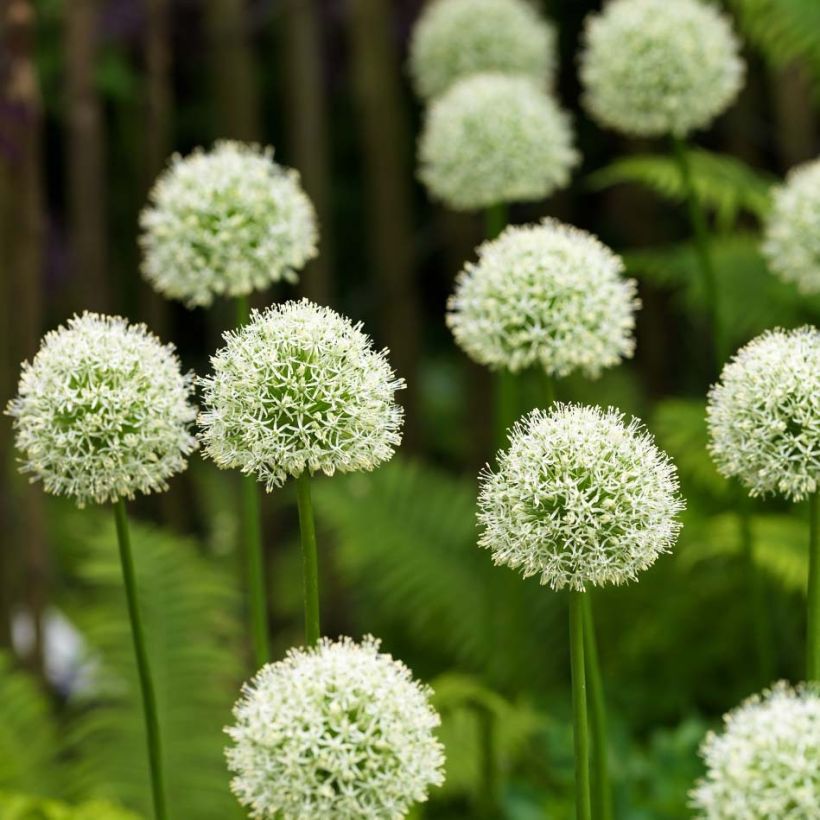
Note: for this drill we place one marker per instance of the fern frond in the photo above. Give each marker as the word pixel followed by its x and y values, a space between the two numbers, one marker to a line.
pixel 722 183
pixel 189 607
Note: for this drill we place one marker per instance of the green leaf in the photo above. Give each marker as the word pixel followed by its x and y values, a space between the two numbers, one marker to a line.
pixel 723 184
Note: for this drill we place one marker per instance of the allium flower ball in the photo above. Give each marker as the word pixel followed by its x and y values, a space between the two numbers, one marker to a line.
pixel 764 414
pixel 547 295
pixel 225 223
pixel 337 732
pixel 300 388
pixel 579 498
pixel 456 38
pixel 493 138
pixel 792 243
pixel 103 411
pixel 766 762
pixel 654 67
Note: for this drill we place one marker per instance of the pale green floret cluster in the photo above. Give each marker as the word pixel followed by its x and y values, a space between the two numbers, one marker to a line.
pixel 337 732
pixel 792 240
pixel 655 67
pixel 493 138
pixel 549 296
pixel 103 412
pixel 299 388
pixel 579 498
pixel 456 38
pixel 764 414
pixel 225 223
pixel 766 762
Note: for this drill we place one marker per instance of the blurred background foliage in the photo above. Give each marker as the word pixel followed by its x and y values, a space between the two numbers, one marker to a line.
pixel 94 94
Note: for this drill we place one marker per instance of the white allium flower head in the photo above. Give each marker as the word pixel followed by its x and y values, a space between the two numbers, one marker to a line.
pixel 299 388
pixel 337 732
pixel 493 138
pixel 792 233
pixel 103 411
pixel 547 295
pixel 225 223
pixel 766 762
pixel 764 414
pixel 654 67
pixel 456 38
pixel 579 498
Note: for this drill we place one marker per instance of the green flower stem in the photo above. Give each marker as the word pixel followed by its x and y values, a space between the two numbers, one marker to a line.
pixel 149 703
pixel 813 654
pixel 506 404
pixel 252 542
pixel 697 220
pixel 601 792
pixel 495 219
pixel 310 561
pixel 583 808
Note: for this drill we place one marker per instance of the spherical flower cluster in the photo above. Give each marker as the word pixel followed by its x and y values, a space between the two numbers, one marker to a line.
pixel 654 67
pixel 225 223
pixel 300 388
pixel 493 138
pixel 103 411
pixel 764 414
pixel 579 498
pixel 792 243
pixel 337 732
pixel 548 295
pixel 766 763
pixel 456 38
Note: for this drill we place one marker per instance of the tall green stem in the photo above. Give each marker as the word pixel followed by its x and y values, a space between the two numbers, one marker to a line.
pixel 813 643
pixel 697 220
pixel 495 219
pixel 149 703
pixel 310 561
pixel 583 808
pixel 601 793
pixel 252 538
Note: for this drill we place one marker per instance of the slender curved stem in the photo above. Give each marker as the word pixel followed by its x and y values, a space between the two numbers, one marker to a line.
pixel 697 220
pixel 583 808
pixel 601 792
pixel 813 643
pixel 495 219
pixel 149 702
pixel 310 561
pixel 252 542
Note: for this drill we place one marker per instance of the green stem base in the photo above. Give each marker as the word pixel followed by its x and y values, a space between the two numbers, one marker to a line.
pixel 583 805
pixel 310 561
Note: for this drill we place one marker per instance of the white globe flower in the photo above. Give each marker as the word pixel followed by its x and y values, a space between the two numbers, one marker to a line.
pixel 547 295
pixel 337 732
pixel 103 411
pixel 766 761
pixel 764 414
pixel 654 67
pixel 579 498
pixel 493 138
pixel 456 38
pixel 299 388
pixel 792 232
pixel 225 223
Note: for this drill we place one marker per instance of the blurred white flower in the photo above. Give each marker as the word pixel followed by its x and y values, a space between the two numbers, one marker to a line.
pixel 299 388
pixel 653 67
pixel 766 761
pixel 579 498
pixel 103 411
pixel 764 414
pixel 792 231
pixel 337 732
pixel 547 295
pixel 225 223
pixel 456 38
pixel 493 138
